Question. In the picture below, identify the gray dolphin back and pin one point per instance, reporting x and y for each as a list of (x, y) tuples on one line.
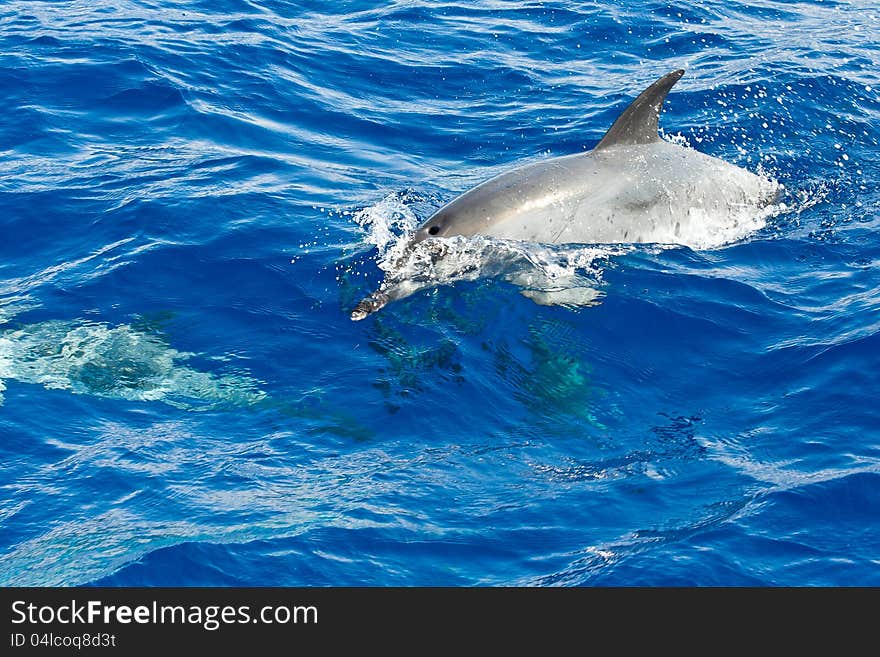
[(638, 123)]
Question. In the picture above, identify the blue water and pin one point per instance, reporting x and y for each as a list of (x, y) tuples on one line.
[(187, 197)]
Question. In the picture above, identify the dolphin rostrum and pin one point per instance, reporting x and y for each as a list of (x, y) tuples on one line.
[(633, 187)]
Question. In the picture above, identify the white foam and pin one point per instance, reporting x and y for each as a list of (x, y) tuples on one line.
[(387, 225)]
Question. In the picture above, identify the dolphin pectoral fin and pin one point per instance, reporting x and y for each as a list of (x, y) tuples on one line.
[(639, 122), (569, 297)]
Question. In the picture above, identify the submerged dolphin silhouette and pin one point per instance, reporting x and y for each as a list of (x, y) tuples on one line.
[(633, 187)]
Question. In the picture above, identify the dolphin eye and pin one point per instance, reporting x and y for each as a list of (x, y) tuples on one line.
[(433, 230)]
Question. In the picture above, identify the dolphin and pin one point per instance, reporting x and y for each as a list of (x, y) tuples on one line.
[(633, 187), (115, 362)]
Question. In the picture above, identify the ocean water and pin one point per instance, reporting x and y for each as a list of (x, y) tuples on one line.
[(195, 195)]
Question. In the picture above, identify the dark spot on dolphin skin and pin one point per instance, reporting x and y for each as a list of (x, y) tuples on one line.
[(433, 230)]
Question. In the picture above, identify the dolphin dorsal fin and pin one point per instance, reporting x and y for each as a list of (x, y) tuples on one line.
[(638, 123)]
